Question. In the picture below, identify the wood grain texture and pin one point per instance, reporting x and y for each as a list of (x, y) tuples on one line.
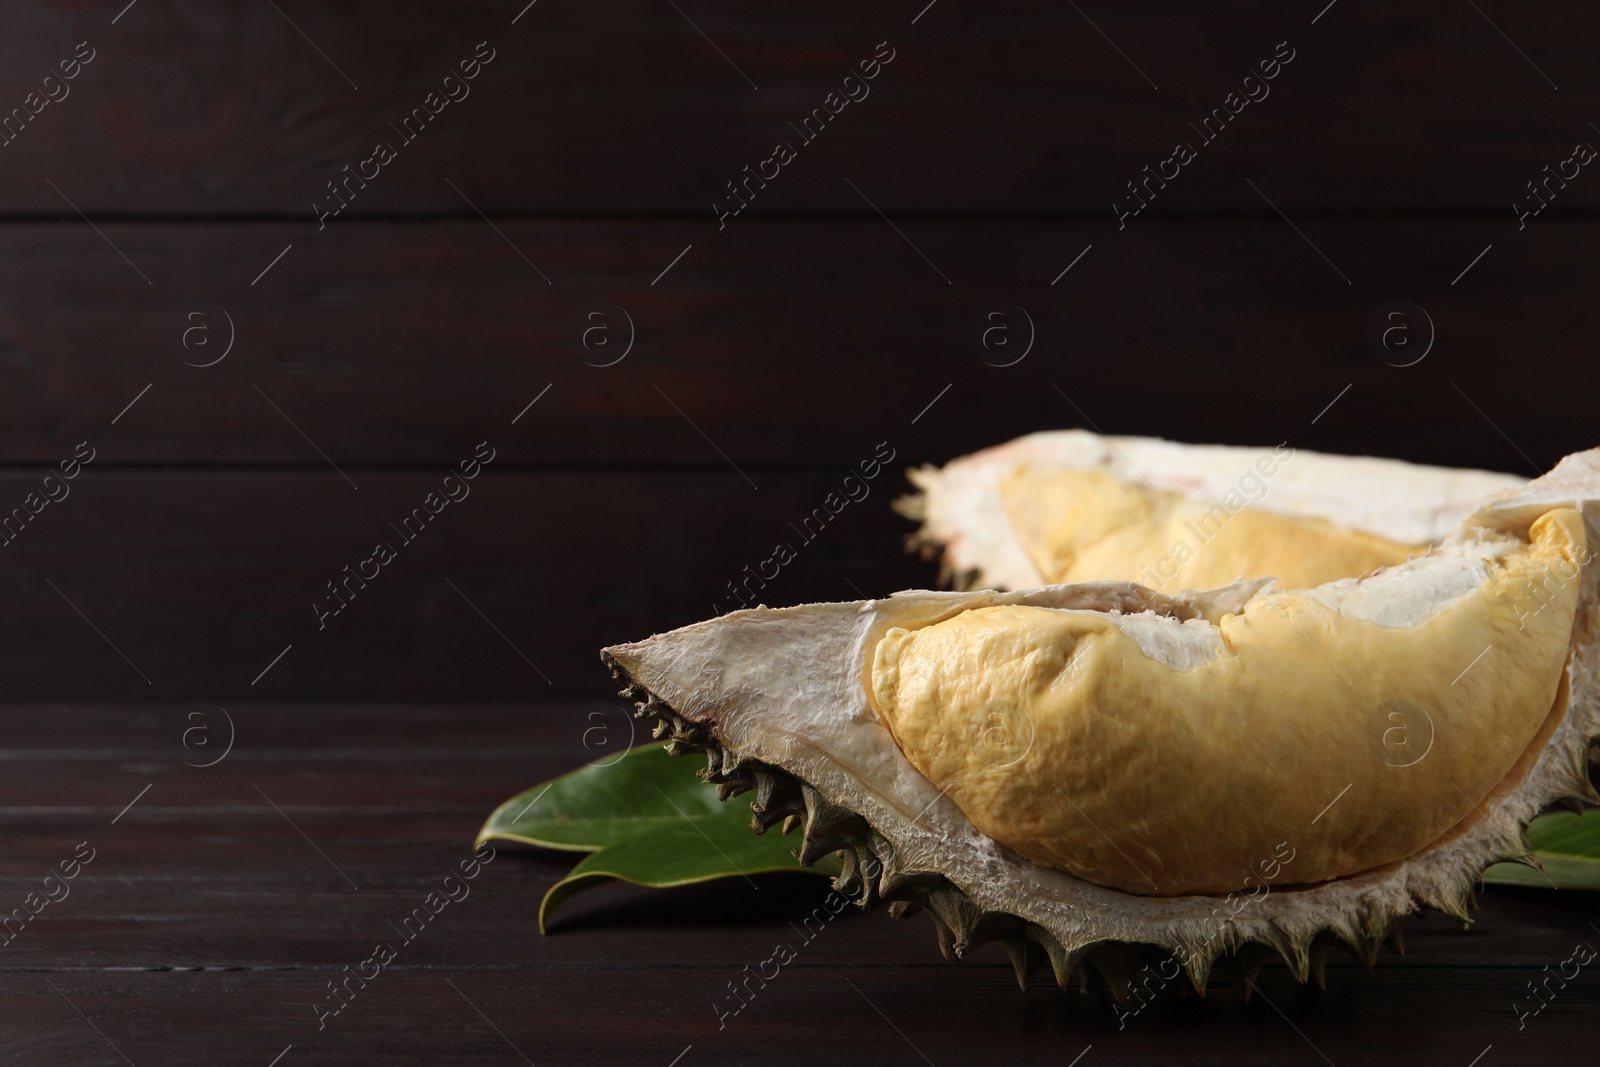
[(784, 343), (944, 1014), (769, 358), (626, 108), (190, 584), (205, 904)]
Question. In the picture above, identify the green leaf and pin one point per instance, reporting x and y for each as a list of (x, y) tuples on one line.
[(605, 802), (690, 851), (1569, 847), (648, 819)]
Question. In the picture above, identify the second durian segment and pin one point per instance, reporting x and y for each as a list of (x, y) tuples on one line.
[(1072, 506), (1088, 525)]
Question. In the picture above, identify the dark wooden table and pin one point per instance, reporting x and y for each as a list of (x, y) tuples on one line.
[(266, 394), (218, 907)]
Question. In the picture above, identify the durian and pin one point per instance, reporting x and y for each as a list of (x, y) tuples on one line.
[(1069, 505), (1102, 774)]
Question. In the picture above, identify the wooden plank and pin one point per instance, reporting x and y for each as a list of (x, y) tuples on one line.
[(192, 107), (390, 797), (170, 586), (786, 343), (188, 878), (951, 1015), (206, 920), (301, 730), (777, 352)]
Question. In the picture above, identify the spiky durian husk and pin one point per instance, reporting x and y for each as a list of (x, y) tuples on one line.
[(1356, 915), (1097, 935)]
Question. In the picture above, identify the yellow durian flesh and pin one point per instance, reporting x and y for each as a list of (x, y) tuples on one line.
[(1080, 525), (1059, 734)]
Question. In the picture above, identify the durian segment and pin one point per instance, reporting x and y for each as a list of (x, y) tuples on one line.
[(1088, 525), (965, 519), (779, 696), (1093, 745)]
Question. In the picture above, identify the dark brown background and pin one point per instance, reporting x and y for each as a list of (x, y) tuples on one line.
[(773, 355)]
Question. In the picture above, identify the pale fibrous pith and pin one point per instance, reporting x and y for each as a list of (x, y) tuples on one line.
[(971, 754)]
